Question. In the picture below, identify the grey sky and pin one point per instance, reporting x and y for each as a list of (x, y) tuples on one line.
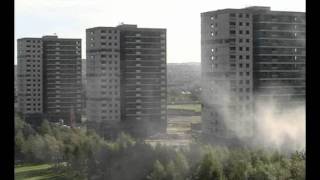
[(181, 18)]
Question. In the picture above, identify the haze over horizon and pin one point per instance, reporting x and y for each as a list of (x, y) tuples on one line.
[(70, 18)]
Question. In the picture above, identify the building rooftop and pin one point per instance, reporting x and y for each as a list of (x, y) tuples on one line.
[(264, 9), (50, 37), (127, 26)]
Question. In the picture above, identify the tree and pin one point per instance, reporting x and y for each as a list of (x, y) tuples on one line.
[(18, 124), (171, 171), (53, 149), (19, 145), (209, 169), (182, 166), (297, 165), (45, 127), (158, 172), (124, 140)]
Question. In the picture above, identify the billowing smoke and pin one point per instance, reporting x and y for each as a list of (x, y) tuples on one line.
[(269, 125), (282, 128)]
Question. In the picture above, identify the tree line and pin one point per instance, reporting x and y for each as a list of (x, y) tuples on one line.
[(81, 154)]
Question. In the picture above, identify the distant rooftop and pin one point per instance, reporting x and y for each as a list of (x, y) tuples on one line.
[(265, 8), (50, 37), (47, 37), (127, 26)]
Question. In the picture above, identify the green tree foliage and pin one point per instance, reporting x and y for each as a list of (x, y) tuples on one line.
[(158, 172), (45, 127), (209, 169), (88, 156), (182, 165)]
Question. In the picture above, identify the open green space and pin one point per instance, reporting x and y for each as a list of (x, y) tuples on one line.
[(192, 107), (181, 124), (36, 172)]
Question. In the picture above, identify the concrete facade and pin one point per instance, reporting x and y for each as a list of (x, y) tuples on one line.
[(49, 75), (126, 78), (30, 77), (243, 53)]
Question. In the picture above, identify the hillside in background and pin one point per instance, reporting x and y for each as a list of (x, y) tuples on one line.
[(183, 76)]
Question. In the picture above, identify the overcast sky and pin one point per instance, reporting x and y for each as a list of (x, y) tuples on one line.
[(181, 18)]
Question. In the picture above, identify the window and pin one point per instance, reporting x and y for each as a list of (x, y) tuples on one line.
[(247, 15), (247, 23), (232, 15), (247, 81), (240, 57), (240, 48), (240, 23), (232, 56), (248, 73), (240, 73), (232, 23), (103, 37), (247, 65), (240, 40), (240, 15), (247, 89), (103, 31), (247, 40), (247, 32), (241, 82), (232, 48), (247, 57), (109, 37), (247, 48), (240, 65), (240, 89), (232, 32), (240, 32)]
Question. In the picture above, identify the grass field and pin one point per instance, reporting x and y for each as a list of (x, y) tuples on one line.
[(181, 124), (193, 107), (35, 172)]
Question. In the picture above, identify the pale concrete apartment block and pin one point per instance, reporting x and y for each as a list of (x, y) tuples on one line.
[(126, 78), (248, 54)]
